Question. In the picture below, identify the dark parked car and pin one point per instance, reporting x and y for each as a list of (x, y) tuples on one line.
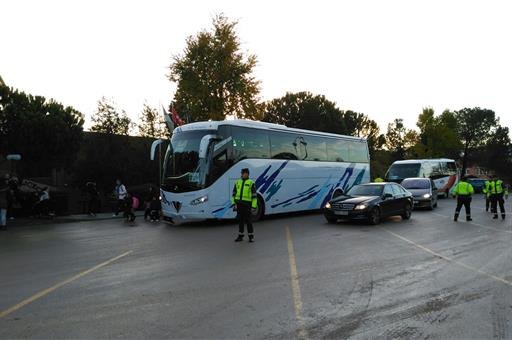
[(478, 184), (371, 202), (423, 190)]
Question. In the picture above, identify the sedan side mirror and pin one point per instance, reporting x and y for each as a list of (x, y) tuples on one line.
[(386, 196)]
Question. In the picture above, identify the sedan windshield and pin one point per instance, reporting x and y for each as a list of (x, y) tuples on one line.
[(416, 184), (366, 190)]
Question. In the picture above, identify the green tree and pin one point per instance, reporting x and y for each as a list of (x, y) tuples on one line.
[(46, 133), (151, 123), (214, 78), (497, 152), (474, 127), (107, 119), (399, 140), (304, 110), (438, 135)]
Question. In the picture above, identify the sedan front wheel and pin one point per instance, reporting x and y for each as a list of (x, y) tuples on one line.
[(374, 217), (407, 212)]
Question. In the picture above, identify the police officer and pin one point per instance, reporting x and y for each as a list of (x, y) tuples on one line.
[(244, 199), (378, 179), (487, 193), (463, 191), (497, 190)]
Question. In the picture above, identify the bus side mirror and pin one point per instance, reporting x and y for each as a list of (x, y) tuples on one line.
[(153, 148), (203, 145)]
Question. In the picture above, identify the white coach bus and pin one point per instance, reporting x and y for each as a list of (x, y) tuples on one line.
[(293, 169), (442, 171)]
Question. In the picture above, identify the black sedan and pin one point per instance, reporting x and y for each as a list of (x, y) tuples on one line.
[(371, 202)]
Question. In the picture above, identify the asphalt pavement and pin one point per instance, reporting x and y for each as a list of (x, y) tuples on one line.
[(428, 277)]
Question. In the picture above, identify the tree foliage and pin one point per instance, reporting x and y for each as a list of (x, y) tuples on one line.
[(151, 123), (474, 126), (438, 135), (399, 140), (214, 78), (46, 133), (304, 110), (107, 119)]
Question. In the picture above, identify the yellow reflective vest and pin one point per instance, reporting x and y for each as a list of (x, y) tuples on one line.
[(495, 187), (378, 180), (463, 189), (245, 190)]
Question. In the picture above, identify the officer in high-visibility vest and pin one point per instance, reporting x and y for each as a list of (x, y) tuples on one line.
[(244, 199), (497, 190), (487, 194), (463, 191), (378, 179)]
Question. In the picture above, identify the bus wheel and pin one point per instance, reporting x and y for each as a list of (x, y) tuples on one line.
[(260, 210)]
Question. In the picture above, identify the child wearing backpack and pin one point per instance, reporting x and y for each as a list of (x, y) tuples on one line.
[(131, 203)]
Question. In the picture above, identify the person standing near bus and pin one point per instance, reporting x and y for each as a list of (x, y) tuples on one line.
[(244, 199), (120, 193), (463, 191), (378, 179), (497, 190), (487, 193), (4, 188)]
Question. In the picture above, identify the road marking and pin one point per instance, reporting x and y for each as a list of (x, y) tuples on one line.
[(479, 225), (58, 285), (449, 259), (297, 298)]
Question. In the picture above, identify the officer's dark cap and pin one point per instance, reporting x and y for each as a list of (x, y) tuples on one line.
[(245, 170)]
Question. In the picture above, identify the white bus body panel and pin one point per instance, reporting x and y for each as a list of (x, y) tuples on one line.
[(284, 185)]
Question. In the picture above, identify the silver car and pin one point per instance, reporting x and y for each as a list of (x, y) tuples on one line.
[(423, 190)]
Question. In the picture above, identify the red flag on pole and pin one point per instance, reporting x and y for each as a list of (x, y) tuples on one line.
[(175, 117)]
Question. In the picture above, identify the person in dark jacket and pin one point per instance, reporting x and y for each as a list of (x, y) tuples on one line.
[(4, 188), (94, 198), (155, 207)]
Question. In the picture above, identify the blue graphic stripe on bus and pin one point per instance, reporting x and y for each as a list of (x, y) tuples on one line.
[(263, 182), (316, 203), (222, 211), (274, 188), (303, 196)]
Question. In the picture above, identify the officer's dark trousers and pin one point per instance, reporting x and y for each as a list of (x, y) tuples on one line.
[(495, 200), (244, 217), (463, 201), (487, 202)]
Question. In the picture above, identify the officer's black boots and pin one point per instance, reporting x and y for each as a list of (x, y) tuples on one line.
[(469, 219), (240, 238), (502, 216), (495, 217), (455, 217), (251, 238)]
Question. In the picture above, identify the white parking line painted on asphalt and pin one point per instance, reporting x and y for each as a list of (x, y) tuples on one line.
[(449, 259), (297, 298), (60, 284), (477, 224)]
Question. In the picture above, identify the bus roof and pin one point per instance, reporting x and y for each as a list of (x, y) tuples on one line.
[(416, 161), (258, 125)]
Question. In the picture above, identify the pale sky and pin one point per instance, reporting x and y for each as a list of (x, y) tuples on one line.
[(384, 58)]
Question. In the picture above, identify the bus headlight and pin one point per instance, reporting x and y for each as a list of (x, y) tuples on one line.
[(426, 196), (361, 206), (199, 200), (328, 205)]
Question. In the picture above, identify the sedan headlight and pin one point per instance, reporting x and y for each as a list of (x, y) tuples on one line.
[(426, 196), (199, 200), (361, 206), (328, 205)]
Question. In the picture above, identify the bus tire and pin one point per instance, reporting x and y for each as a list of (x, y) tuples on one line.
[(260, 211)]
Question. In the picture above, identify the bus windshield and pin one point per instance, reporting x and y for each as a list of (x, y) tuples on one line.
[(182, 166), (401, 171)]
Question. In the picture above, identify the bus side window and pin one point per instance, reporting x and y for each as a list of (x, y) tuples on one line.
[(337, 150), (219, 166), (286, 146)]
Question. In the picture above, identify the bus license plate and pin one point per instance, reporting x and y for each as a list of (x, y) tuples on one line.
[(341, 212)]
